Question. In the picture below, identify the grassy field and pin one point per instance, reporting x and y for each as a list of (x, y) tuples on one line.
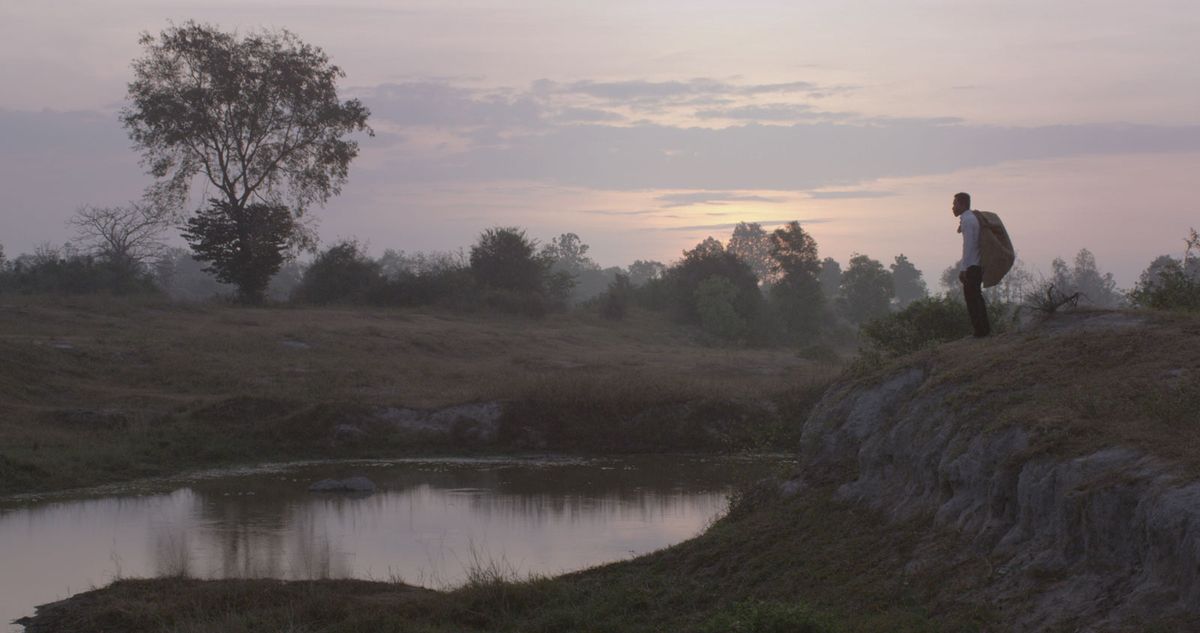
[(1084, 381), (780, 563), (96, 390)]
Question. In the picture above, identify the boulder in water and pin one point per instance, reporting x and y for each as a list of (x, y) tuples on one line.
[(353, 484)]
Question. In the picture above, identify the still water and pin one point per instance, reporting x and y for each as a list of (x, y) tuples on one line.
[(428, 523)]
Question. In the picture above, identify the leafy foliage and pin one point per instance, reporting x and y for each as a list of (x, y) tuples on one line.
[(52, 270), (907, 282), (1084, 278), (866, 290), (259, 118), (614, 303), (753, 245), (1168, 288), (797, 292), (642, 271), (922, 323), (341, 273), (716, 300), (710, 259), (504, 258), (830, 277), (244, 246), (514, 276)]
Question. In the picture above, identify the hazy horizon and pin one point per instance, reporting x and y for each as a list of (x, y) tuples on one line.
[(646, 129)]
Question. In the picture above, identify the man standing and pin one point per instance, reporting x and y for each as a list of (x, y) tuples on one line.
[(970, 271)]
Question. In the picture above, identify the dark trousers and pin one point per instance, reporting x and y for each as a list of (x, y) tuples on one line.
[(973, 293)]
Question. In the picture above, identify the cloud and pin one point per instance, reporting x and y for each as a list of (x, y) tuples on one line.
[(642, 92), (619, 213), (730, 225), (844, 195), (585, 115), (434, 103), (799, 157), (766, 112), (711, 198)]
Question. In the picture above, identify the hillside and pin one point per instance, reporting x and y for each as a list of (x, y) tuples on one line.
[(1043, 480)]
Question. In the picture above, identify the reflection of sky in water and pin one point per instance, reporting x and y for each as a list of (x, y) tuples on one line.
[(427, 524)]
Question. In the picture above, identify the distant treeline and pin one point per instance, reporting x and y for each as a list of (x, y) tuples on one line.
[(758, 287)]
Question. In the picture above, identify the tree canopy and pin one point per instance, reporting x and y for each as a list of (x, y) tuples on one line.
[(908, 282), (866, 291), (257, 116), (752, 244), (797, 268)]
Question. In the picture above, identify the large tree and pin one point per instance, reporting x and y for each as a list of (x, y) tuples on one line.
[(866, 292), (256, 116), (907, 281), (797, 270), (752, 244)]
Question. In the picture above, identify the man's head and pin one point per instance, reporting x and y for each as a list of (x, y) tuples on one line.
[(962, 203)]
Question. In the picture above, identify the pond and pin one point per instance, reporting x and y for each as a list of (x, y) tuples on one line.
[(429, 522)]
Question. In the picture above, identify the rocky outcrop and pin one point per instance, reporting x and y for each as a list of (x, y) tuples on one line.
[(477, 422), (1097, 541), (355, 485)]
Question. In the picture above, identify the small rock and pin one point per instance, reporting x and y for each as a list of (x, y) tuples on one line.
[(353, 484), (295, 344), (791, 487)]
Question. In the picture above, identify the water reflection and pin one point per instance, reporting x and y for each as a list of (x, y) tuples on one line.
[(429, 523)]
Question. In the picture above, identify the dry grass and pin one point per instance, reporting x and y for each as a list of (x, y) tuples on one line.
[(1085, 381), (96, 389)]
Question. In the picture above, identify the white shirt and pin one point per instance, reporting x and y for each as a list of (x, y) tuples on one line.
[(968, 225)]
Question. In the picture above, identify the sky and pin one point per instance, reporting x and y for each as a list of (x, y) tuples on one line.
[(645, 127)]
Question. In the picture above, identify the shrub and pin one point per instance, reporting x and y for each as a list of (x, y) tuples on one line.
[(51, 271), (1170, 289), (614, 303), (341, 273), (707, 260), (505, 258), (716, 300), (924, 322)]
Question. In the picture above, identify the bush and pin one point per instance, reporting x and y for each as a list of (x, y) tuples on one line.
[(716, 299), (505, 258), (341, 274), (1171, 289), (681, 283), (614, 303), (50, 271), (923, 323)]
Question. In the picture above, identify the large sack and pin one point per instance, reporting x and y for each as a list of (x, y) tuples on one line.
[(996, 252)]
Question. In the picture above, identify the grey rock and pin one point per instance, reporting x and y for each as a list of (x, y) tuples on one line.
[(353, 484), (1117, 530), (478, 422)]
